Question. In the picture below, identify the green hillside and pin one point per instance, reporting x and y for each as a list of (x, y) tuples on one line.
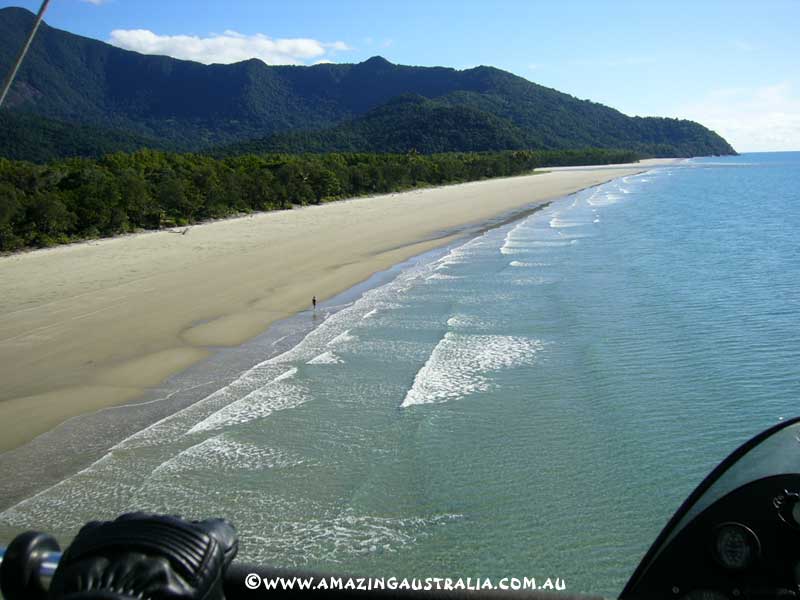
[(412, 122), (191, 106), (25, 136)]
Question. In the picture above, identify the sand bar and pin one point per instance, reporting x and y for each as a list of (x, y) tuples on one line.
[(91, 325)]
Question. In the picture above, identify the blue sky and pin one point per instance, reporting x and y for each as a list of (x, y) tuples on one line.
[(734, 66)]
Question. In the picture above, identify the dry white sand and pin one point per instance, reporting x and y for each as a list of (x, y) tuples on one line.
[(91, 325)]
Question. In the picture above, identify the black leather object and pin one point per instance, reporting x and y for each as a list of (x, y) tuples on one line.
[(146, 556)]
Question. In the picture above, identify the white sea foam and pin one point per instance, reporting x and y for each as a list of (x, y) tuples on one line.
[(462, 321), (333, 539), (550, 243), (458, 255), (511, 247), (274, 396), (267, 387), (511, 237), (381, 306), (518, 243), (343, 338), (606, 199), (557, 223), (452, 259), (72, 501), (326, 358), (174, 426), (287, 375), (572, 236), (220, 453), (533, 280), (462, 364)]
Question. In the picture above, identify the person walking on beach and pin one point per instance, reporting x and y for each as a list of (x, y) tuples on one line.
[(314, 303)]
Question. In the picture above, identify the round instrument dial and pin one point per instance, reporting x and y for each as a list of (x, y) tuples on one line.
[(735, 546)]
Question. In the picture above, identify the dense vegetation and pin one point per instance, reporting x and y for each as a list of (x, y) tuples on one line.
[(430, 126), (31, 137), (405, 123), (273, 136), (191, 106), (78, 198)]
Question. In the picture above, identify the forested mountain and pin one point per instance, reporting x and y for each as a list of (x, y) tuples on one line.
[(25, 136), (412, 122), (191, 106), (408, 122)]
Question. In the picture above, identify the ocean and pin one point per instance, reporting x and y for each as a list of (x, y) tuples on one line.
[(533, 402)]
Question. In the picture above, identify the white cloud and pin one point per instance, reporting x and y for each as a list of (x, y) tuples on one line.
[(385, 43), (228, 47), (752, 119)]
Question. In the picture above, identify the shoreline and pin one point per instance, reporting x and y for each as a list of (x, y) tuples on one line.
[(65, 450), (98, 324)]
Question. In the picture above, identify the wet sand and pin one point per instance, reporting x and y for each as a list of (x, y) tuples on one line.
[(96, 324)]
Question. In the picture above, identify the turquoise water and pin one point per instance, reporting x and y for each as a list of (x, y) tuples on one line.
[(534, 402)]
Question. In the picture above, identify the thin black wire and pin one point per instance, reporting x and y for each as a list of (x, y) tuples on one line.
[(10, 78)]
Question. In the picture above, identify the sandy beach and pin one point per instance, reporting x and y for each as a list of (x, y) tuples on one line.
[(92, 325)]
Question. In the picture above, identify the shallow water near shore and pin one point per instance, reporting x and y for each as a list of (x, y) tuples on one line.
[(532, 403)]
